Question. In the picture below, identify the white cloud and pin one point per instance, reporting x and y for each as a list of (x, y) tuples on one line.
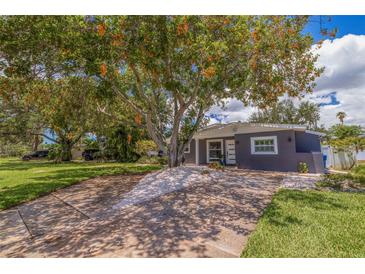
[(344, 62)]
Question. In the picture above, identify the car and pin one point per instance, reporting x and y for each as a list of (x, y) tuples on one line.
[(39, 154), (88, 154)]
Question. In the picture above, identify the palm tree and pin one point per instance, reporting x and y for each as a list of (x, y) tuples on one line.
[(341, 115)]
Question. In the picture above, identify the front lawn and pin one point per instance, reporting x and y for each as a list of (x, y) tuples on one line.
[(23, 181), (310, 224)]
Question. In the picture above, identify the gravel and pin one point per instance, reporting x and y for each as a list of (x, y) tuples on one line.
[(301, 182)]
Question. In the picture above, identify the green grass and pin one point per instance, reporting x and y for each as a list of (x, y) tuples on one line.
[(23, 181), (310, 224)]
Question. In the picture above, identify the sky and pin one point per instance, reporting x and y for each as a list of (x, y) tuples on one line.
[(342, 85)]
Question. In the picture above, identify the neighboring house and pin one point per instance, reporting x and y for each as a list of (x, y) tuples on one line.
[(257, 146)]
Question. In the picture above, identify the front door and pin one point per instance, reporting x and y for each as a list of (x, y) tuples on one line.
[(230, 152)]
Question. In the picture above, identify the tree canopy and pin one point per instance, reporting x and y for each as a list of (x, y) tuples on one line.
[(172, 69), (169, 70), (285, 112)]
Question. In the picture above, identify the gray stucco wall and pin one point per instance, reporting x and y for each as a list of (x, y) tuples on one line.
[(306, 142), (190, 157), (287, 158)]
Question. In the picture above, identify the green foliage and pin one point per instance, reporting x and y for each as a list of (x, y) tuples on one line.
[(346, 139), (285, 112), (91, 143), (13, 150), (144, 146), (117, 145), (172, 69), (54, 152), (336, 181), (344, 131), (169, 69), (303, 167)]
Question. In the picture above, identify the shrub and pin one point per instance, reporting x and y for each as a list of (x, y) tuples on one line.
[(216, 166), (54, 152), (303, 167), (13, 150), (144, 146), (337, 180)]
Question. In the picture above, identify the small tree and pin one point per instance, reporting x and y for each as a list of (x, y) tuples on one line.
[(347, 139)]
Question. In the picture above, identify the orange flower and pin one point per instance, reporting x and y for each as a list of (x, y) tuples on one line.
[(101, 29), (186, 26), (209, 72), (129, 139), (117, 40), (138, 119), (103, 69), (226, 21), (255, 35), (183, 28), (291, 31)]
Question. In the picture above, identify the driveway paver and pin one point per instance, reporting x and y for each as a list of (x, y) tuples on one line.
[(186, 215)]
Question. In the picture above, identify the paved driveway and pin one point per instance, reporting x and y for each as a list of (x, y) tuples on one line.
[(171, 213)]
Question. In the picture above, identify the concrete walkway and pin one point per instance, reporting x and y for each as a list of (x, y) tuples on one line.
[(170, 213)]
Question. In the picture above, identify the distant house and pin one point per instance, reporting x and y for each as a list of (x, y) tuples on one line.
[(257, 146)]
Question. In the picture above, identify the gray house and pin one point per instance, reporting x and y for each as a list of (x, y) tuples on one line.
[(257, 146)]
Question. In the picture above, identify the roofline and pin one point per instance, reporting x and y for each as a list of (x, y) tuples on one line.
[(289, 126)]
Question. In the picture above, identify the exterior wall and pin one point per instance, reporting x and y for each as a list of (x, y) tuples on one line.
[(287, 158), (190, 157), (306, 142)]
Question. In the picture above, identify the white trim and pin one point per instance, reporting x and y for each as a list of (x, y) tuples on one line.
[(211, 141), (197, 151), (188, 147), (253, 139)]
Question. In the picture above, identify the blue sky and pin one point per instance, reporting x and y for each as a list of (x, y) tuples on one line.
[(344, 23), (342, 85)]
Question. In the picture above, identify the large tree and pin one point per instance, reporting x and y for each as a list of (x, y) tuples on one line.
[(286, 112), (169, 69), (41, 82), (172, 69)]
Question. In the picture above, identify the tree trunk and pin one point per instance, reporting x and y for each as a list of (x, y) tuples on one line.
[(36, 142), (66, 154)]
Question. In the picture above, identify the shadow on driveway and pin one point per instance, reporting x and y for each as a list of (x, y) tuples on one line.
[(184, 215)]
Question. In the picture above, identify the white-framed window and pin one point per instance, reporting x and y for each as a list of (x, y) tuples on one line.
[(187, 149), (214, 150), (264, 145)]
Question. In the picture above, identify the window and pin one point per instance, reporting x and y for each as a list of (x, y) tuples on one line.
[(264, 145), (187, 149), (214, 150)]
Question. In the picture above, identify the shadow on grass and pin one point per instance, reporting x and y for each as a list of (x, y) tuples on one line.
[(17, 164), (42, 185)]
